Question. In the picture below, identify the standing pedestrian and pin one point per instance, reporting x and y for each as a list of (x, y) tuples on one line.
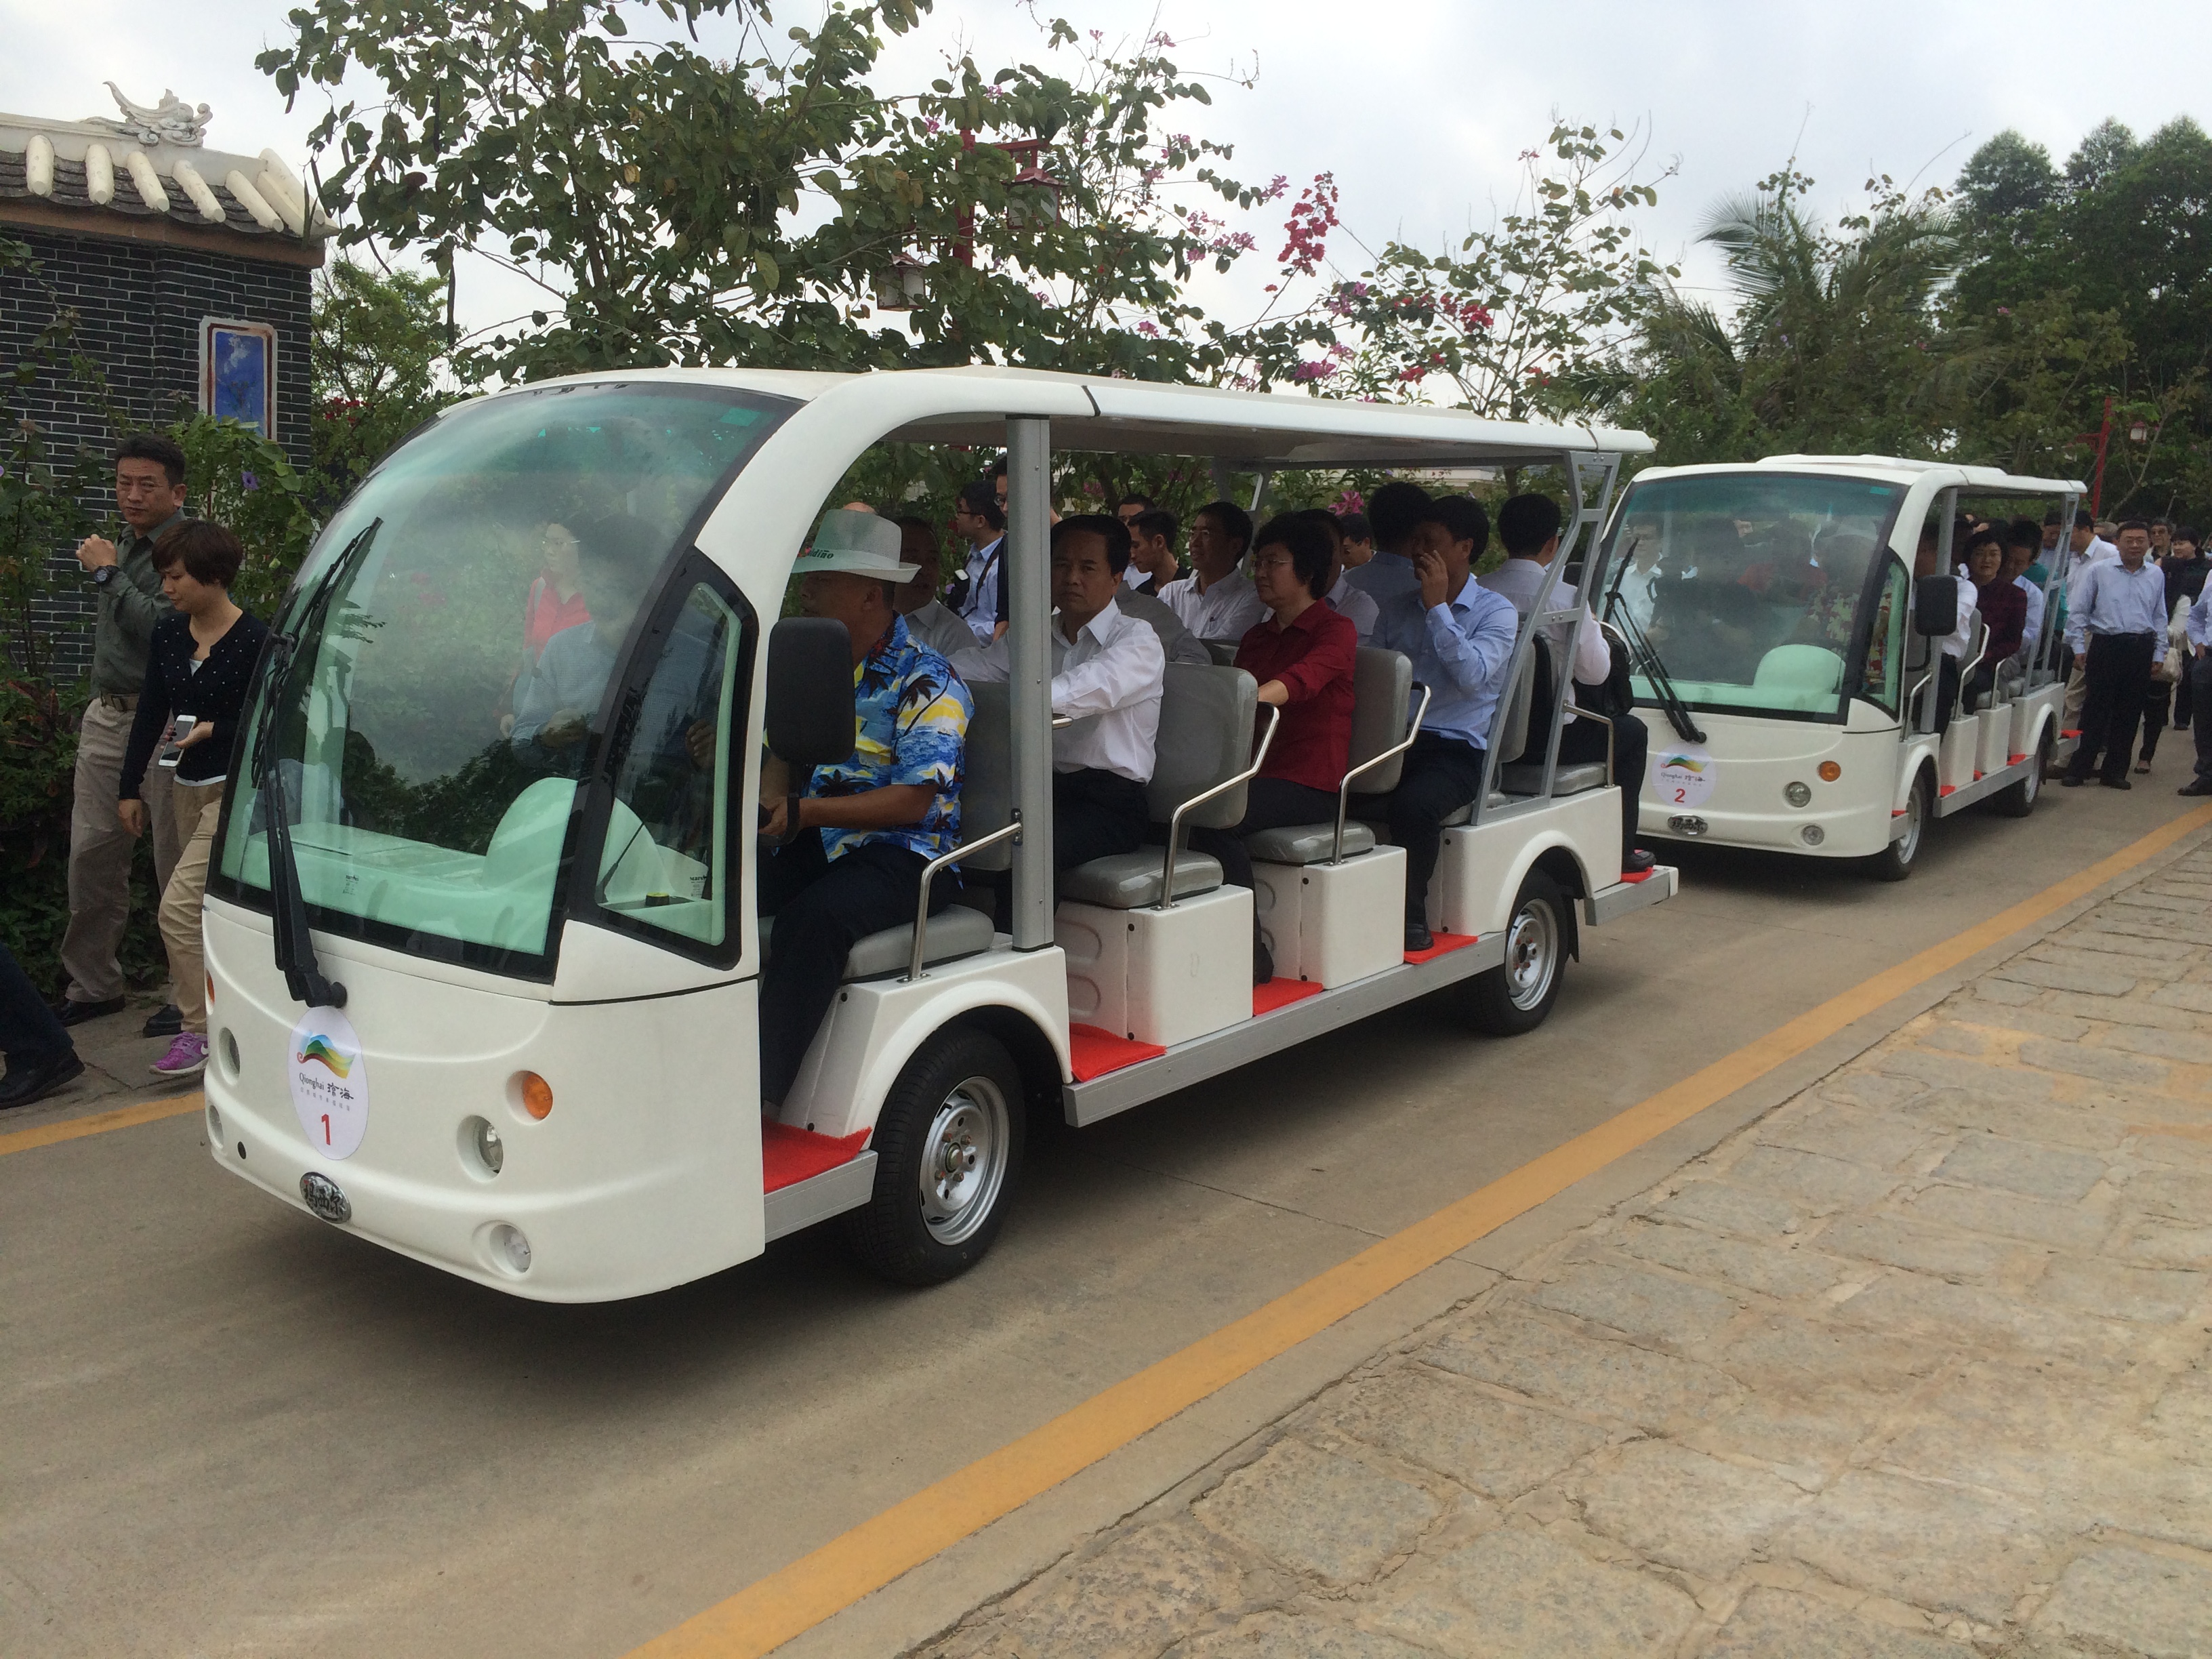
[(2198, 630), (2185, 571), (40, 1056), (200, 663), (2088, 550), (150, 493), (2117, 622)]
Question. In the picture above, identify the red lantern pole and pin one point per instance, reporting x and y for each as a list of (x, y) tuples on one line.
[(2102, 437)]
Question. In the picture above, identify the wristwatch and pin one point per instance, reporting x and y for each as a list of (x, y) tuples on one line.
[(105, 575)]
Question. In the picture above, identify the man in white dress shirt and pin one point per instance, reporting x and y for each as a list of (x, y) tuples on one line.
[(2023, 544), (1153, 562), (1927, 562), (1530, 527), (2116, 619), (1217, 600), (1108, 670), (927, 618), (2090, 550)]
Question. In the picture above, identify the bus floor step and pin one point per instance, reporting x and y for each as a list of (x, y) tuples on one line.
[(790, 1155), (1093, 1053)]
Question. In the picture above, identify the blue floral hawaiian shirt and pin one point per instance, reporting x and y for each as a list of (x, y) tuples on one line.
[(911, 713)]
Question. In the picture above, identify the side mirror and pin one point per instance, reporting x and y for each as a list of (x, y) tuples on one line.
[(1934, 607), (810, 690)]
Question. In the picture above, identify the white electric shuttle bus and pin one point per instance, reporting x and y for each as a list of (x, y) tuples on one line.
[(1788, 664), (499, 1013)]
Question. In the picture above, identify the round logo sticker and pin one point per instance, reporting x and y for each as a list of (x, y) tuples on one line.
[(1681, 776), (330, 1082)]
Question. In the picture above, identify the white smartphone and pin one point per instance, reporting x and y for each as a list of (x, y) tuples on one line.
[(180, 729)]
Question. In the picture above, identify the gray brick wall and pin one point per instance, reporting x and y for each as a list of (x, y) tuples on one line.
[(139, 306)]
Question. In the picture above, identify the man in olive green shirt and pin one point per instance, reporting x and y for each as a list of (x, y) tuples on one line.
[(150, 493)]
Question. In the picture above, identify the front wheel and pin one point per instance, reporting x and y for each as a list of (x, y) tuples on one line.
[(1894, 862), (2017, 800), (1517, 995), (948, 1150)]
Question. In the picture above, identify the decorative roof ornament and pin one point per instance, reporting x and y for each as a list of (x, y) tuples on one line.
[(169, 122)]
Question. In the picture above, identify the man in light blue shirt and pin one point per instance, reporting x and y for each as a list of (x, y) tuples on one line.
[(2199, 629), (2116, 616), (1395, 513), (1460, 638)]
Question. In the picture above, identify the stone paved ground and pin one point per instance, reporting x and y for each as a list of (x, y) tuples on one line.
[(1919, 1363)]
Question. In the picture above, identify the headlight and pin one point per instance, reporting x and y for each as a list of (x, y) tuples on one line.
[(1812, 835), (511, 1248), (481, 1146), (1797, 794)]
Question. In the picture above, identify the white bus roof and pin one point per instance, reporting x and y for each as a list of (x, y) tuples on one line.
[(1892, 469), (1253, 430)]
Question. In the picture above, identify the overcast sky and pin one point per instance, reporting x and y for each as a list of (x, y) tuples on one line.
[(1419, 107)]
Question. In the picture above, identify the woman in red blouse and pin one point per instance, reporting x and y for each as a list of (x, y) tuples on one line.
[(556, 598), (1302, 656)]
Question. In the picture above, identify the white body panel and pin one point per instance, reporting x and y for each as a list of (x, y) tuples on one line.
[(1163, 977), (1330, 924), (1480, 872)]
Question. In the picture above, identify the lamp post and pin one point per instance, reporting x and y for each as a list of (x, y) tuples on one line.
[(2102, 437)]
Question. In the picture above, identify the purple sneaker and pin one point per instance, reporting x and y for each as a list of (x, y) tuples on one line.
[(188, 1057)]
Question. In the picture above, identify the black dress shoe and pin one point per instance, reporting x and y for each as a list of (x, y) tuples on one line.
[(1417, 937), (2196, 787), (1637, 861), (167, 1020), (2069, 781), (2117, 783), (75, 1013), (1263, 962), (27, 1083)]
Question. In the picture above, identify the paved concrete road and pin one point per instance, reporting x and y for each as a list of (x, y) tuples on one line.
[(231, 1430), (1918, 1365)]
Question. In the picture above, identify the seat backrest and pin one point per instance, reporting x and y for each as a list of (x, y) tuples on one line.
[(1519, 702), (1206, 738), (1381, 701), (987, 779), (1224, 652), (1800, 667)]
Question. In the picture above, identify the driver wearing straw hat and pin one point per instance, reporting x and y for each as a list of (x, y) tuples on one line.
[(849, 842)]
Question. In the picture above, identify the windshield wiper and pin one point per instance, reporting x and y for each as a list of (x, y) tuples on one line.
[(1647, 655), (294, 941)]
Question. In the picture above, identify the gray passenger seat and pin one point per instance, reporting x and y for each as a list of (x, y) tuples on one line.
[(1382, 693)]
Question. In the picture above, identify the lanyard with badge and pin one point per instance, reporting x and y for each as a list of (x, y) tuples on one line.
[(974, 577)]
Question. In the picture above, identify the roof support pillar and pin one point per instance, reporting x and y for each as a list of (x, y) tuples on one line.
[(1028, 574)]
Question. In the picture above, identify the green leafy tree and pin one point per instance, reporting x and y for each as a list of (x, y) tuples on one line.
[(379, 348)]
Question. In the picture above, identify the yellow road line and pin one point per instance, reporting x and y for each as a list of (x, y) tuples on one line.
[(122, 1117), (769, 1612)]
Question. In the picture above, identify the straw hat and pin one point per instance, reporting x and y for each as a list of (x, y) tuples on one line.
[(861, 544)]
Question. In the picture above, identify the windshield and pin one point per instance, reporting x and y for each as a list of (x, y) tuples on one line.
[(1752, 590), (443, 711)]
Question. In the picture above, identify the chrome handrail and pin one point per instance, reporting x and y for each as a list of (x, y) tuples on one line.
[(929, 874), (1344, 788), (1175, 822), (1606, 721)]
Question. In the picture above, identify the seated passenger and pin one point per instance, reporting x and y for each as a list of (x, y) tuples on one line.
[(2002, 605), (1709, 624), (1216, 600), (1530, 527), (556, 600), (1178, 641), (1393, 513), (849, 846), (1926, 558), (1108, 670), (1303, 658), (1152, 561), (555, 700), (2023, 549), (1459, 636), (929, 620), (1345, 599)]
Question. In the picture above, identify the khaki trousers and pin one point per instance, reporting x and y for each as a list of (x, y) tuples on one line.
[(199, 806), (99, 853), (2077, 690)]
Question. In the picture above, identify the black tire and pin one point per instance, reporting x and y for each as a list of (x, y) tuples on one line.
[(1895, 861), (959, 1100), (2017, 800), (1518, 996)]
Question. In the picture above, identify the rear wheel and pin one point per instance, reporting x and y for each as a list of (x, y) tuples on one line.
[(948, 1151), (2017, 800), (1517, 995), (1894, 862)]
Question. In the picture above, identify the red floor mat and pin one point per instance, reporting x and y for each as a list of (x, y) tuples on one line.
[(1440, 943), (1093, 1053), (789, 1156), (1280, 992)]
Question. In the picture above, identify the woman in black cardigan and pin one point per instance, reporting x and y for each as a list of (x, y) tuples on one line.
[(200, 663)]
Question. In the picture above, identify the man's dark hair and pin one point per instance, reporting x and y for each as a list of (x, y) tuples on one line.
[(1309, 545), (207, 552), (915, 521), (1104, 524), (1158, 521), (2155, 523), (2084, 518), (2126, 525), (1233, 520), (1355, 526), (1000, 469), (2050, 516), (1395, 510), (1526, 523), (155, 447), (1135, 499), (982, 500), (2024, 532), (1462, 517)]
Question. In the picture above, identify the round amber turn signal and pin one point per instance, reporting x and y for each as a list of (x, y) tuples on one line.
[(1830, 771), (536, 1095)]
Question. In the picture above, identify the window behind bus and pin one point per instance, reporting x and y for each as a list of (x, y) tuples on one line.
[(1756, 590), (442, 718)]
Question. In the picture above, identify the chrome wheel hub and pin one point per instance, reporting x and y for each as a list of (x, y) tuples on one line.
[(964, 1161), (1532, 954)]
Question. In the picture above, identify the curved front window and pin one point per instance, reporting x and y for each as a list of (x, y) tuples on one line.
[(1753, 590), (461, 623)]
